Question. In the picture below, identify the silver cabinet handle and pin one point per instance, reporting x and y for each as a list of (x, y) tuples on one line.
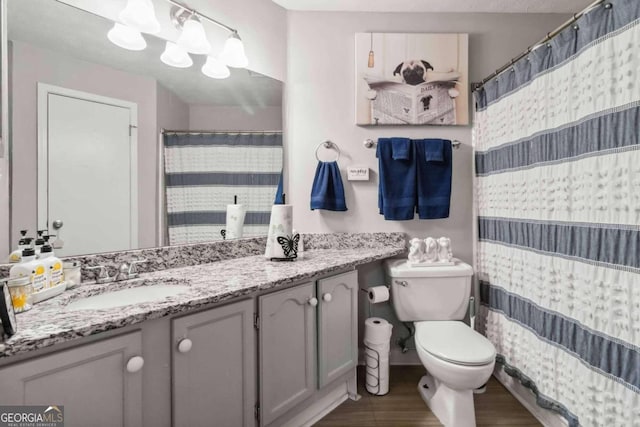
[(327, 297), (313, 301)]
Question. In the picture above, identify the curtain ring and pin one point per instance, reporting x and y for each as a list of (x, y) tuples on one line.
[(327, 145)]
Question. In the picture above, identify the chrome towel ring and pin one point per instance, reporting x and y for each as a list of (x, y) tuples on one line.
[(329, 145)]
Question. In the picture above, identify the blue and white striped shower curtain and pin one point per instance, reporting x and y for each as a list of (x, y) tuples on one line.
[(203, 173), (558, 199)]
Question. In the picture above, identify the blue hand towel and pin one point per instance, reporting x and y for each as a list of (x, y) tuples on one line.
[(279, 192), (397, 187), (400, 148), (434, 150), (327, 191), (434, 178)]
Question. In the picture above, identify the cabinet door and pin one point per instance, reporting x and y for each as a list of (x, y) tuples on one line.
[(91, 381), (287, 349), (337, 326), (214, 381)]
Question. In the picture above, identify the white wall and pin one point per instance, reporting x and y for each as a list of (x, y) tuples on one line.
[(320, 104), (209, 117), (31, 65)]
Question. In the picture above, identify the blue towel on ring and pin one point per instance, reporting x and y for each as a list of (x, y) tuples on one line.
[(279, 191), (397, 186), (434, 178), (327, 191)]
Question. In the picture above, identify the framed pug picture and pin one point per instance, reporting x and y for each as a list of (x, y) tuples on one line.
[(412, 79)]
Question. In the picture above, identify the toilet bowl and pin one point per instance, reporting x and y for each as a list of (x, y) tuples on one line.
[(458, 360)]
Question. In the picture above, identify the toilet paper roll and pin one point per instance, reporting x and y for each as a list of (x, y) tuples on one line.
[(280, 224), (378, 294), (377, 330), (235, 221)]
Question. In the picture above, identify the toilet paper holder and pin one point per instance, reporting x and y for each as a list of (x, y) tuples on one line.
[(367, 357)]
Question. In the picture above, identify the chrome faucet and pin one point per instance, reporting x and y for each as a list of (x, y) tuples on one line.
[(126, 272), (123, 273)]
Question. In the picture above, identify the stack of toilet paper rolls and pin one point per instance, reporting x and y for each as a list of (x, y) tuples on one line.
[(377, 341)]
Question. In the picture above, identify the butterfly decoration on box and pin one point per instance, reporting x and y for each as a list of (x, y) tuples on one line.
[(289, 246)]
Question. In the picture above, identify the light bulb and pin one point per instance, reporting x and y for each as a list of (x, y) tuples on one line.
[(233, 52), (371, 61), (126, 37), (193, 39), (216, 69), (176, 56), (140, 14)]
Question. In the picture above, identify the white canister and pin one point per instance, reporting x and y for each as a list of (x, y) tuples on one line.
[(280, 225)]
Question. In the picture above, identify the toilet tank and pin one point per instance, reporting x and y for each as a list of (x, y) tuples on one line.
[(429, 293)]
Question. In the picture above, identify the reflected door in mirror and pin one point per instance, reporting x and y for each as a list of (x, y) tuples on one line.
[(91, 169)]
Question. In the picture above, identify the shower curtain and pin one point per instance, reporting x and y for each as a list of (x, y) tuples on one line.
[(558, 203), (203, 173)]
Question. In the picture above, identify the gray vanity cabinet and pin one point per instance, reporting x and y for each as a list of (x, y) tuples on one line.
[(308, 338), (98, 383), (214, 378), (337, 326), (287, 349)]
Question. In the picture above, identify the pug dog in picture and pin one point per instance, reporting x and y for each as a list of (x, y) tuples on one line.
[(413, 72)]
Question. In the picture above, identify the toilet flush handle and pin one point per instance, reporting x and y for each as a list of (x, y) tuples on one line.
[(402, 283)]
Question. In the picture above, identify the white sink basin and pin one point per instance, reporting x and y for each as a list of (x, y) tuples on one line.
[(140, 294)]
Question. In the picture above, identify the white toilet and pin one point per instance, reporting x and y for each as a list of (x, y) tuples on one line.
[(457, 358)]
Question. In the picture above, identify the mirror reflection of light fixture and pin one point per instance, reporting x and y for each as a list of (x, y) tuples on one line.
[(141, 15), (193, 39), (215, 68), (371, 61), (126, 37), (233, 52), (175, 56)]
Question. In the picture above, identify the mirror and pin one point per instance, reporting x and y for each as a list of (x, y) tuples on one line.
[(88, 147)]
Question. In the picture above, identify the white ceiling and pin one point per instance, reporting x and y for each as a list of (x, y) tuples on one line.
[(76, 33), (497, 6)]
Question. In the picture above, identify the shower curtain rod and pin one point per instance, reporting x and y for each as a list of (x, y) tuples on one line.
[(186, 132), (548, 37)]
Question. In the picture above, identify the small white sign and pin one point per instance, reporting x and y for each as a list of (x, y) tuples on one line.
[(358, 173)]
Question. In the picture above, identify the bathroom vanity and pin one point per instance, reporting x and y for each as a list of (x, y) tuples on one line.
[(248, 343)]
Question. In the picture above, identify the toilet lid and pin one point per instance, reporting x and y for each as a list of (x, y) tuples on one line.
[(454, 342)]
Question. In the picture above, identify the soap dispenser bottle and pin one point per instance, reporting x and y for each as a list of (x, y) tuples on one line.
[(32, 268), (52, 265), (23, 243), (39, 242)]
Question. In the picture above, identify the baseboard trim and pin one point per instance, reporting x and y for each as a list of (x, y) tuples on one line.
[(321, 407), (528, 400)]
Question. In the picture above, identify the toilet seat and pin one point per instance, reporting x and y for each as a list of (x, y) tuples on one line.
[(454, 342)]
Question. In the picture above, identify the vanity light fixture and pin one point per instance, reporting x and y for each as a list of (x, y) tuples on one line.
[(126, 37), (176, 56), (193, 39), (141, 15), (233, 52), (215, 68)]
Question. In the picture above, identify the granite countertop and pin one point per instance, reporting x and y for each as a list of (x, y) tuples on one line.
[(50, 322)]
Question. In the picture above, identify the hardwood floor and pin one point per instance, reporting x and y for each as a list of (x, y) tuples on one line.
[(403, 406)]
